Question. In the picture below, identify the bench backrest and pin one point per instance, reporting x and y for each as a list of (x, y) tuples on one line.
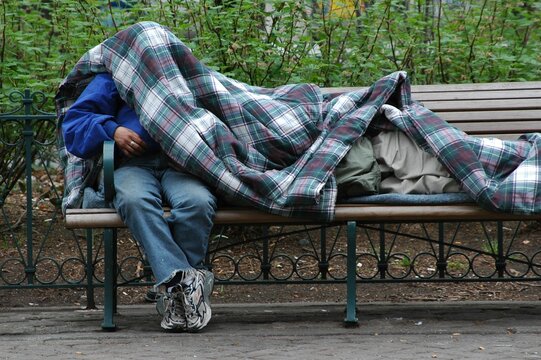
[(503, 110)]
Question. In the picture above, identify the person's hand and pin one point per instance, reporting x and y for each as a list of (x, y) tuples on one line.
[(129, 142)]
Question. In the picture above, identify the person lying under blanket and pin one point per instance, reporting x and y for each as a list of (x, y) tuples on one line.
[(391, 162)]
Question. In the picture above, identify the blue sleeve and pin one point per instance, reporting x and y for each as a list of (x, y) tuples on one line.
[(91, 119)]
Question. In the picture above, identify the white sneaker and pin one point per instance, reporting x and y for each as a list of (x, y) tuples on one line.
[(196, 296), (171, 306)]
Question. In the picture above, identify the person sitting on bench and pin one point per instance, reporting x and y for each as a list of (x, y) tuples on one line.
[(145, 180)]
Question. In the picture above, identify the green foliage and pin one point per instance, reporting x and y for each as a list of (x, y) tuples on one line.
[(274, 42)]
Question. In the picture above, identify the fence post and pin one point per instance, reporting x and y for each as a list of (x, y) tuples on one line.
[(28, 134)]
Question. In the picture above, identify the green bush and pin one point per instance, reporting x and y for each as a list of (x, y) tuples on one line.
[(283, 41)]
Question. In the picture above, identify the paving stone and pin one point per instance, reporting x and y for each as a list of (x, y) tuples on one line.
[(449, 330)]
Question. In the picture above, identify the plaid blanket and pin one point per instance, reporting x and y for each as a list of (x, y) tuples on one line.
[(276, 148)]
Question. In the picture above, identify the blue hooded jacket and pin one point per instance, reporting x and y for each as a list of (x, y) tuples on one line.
[(94, 117)]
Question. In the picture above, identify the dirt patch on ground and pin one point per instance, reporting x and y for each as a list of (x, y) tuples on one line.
[(332, 293)]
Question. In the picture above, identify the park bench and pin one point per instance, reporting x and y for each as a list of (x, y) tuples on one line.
[(503, 110)]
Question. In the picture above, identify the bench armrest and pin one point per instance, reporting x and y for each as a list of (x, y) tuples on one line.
[(108, 170)]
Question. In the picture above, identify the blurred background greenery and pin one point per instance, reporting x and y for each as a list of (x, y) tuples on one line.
[(272, 42)]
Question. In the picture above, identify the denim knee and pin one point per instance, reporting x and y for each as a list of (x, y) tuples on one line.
[(136, 200), (201, 202), (136, 188)]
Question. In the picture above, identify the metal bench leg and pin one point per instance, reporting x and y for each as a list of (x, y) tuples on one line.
[(90, 300), (109, 299), (351, 307)]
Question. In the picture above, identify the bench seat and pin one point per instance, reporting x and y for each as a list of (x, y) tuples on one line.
[(365, 213)]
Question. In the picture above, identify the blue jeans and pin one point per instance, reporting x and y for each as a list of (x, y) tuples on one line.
[(176, 243)]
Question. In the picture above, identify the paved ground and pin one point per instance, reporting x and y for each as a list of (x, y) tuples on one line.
[(448, 330)]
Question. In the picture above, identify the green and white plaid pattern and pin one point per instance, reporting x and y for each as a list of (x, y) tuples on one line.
[(272, 148)]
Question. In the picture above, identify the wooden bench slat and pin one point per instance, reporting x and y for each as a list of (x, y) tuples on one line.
[(495, 127), (108, 218), (487, 105), (474, 87), (418, 90), (510, 116), (479, 95)]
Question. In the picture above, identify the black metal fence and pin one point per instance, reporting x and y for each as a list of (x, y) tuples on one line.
[(36, 251)]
